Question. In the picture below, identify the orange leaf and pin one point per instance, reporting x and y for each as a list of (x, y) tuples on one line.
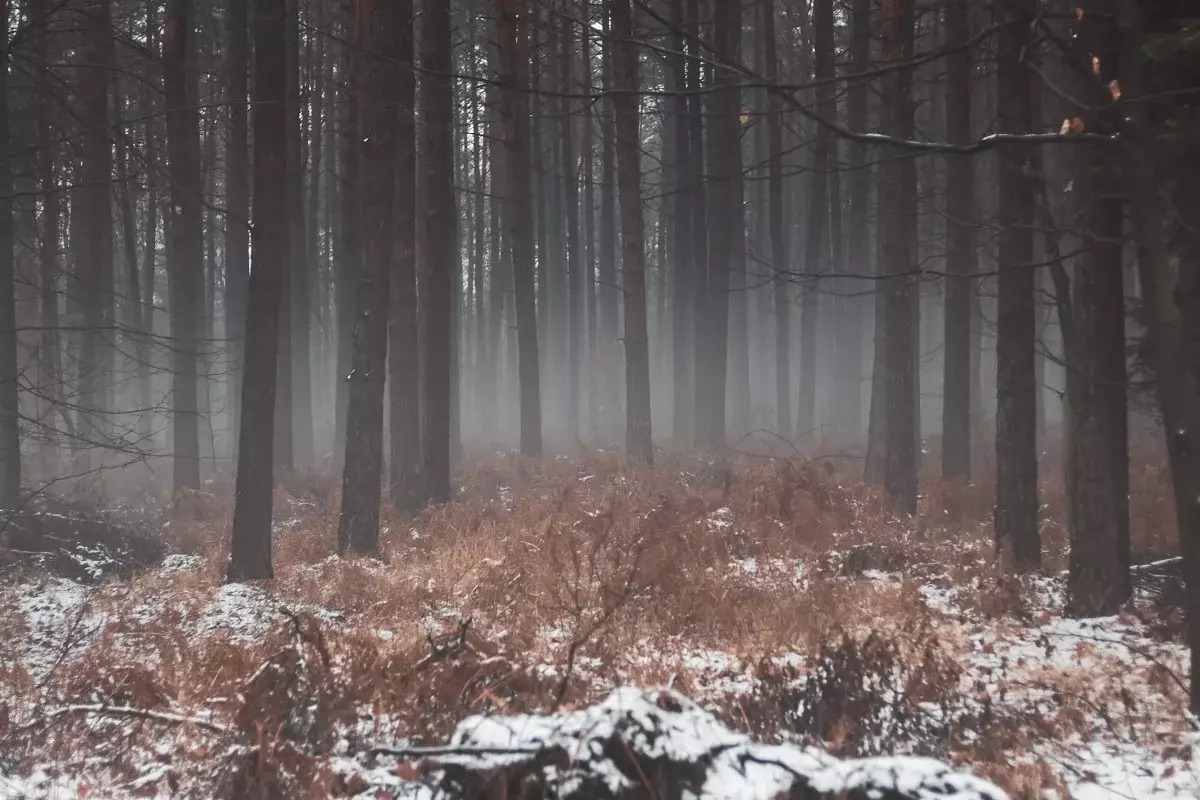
[(1095, 65), (1114, 89), (406, 771), (1079, 13)]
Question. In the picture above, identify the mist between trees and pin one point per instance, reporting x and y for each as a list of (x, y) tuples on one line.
[(380, 237)]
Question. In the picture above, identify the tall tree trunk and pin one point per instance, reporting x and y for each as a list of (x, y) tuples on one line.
[(441, 249), (94, 266), (312, 216), (404, 390), (150, 229), (297, 448), (574, 256), (237, 204), (1097, 430), (49, 353), (350, 245), (682, 293), (514, 53), (1016, 415), (250, 550), (898, 196), (960, 256), (186, 236), (1172, 292), (816, 245), (780, 258), (376, 78), (701, 365), (724, 167), (606, 270), (639, 448), (10, 431)]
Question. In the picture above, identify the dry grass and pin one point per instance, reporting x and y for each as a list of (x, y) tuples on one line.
[(575, 565)]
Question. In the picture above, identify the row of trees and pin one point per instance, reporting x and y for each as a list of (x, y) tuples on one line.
[(494, 221)]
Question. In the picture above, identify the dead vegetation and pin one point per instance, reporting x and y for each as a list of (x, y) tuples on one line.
[(780, 593)]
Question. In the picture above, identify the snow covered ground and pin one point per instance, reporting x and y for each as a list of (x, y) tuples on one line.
[(1087, 709)]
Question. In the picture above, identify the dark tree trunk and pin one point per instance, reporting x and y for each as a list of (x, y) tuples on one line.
[(724, 168), (960, 256), (376, 72), (297, 449), (682, 353), (1097, 431), (49, 353), (237, 205), (606, 270), (574, 256), (350, 244), (150, 230), (780, 258), (1172, 292), (94, 266), (251, 540), (639, 448), (404, 390), (186, 237), (898, 196), (10, 432), (816, 245), (514, 54), (441, 249), (701, 366), (1017, 532)]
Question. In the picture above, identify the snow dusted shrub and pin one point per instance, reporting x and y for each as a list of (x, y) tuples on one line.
[(860, 694), (290, 709)]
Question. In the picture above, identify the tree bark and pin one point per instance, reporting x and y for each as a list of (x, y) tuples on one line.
[(404, 367), (639, 448), (10, 432), (350, 244), (816, 245), (574, 256), (960, 256), (1016, 520), (441, 232), (724, 168), (250, 550), (186, 236), (376, 72), (514, 54), (237, 205), (682, 259), (898, 199), (94, 266)]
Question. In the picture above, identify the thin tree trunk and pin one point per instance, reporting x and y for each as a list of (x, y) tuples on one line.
[(682, 293), (350, 245), (514, 53), (441, 249), (94, 266), (250, 550), (724, 168), (816, 245), (297, 448), (574, 256), (639, 448), (10, 432), (404, 391), (960, 256), (377, 69), (606, 271), (898, 195), (1017, 532), (186, 233)]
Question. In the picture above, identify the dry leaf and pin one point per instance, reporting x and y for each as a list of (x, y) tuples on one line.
[(1066, 127), (1077, 125), (407, 771), (1114, 89), (1095, 65)]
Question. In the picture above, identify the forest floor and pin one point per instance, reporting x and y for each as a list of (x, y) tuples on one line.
[(781, 596)]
